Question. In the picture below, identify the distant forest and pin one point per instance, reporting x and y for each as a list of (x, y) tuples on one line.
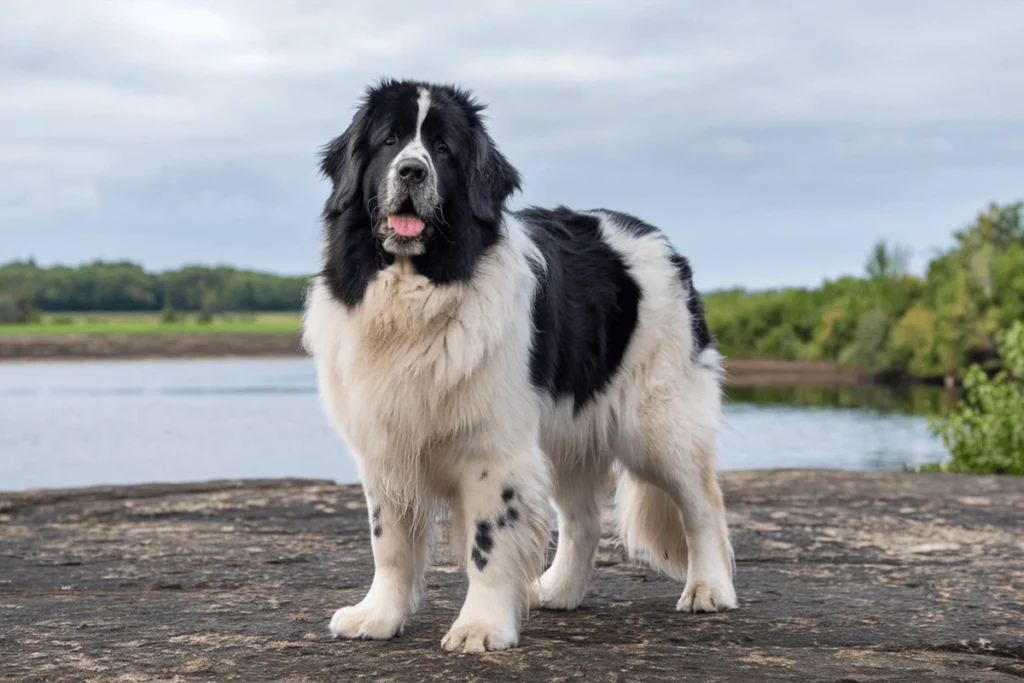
[(884, 321), (888, 320), (123, 286)]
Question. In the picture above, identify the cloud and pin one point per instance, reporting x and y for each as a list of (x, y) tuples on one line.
[(735, 147), (939, 144), (112, 96)]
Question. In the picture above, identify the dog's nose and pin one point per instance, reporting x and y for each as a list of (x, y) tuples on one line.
[(412, 170)]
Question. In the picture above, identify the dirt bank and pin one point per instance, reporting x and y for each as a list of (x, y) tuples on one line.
[(115, 346), (767, 373), (842, 576)]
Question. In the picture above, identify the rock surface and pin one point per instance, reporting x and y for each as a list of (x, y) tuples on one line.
[(841, 577)]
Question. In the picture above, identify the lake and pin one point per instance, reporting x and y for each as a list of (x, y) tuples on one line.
[(120, 422)]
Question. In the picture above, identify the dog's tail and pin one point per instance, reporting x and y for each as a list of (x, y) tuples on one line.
[(651, 526)]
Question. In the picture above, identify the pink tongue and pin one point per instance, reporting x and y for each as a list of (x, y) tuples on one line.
[(406, 226)]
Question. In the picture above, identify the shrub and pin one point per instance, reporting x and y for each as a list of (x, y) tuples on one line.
[(168, 315), (781, 342), (208, 308), (9, 311), (17, 311), (986, 433)]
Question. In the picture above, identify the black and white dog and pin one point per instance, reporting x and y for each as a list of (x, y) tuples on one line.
[(492, 360)]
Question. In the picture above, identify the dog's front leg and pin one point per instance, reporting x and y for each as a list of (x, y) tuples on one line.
[(502, 506), (399, 541)]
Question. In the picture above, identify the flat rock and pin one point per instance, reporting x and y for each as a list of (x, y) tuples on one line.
[(842, 576)]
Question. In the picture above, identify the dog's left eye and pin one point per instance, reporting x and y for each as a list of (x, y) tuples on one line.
[(390, 140), (441, 147)]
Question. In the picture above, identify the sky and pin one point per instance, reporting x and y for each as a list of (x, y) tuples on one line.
[(775, 142)]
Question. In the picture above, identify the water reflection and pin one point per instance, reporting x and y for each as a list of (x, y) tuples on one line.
[(915, 400), (81, 424)]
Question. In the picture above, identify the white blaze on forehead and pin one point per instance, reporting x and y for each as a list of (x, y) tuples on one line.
[(416, 148), (423, 105)]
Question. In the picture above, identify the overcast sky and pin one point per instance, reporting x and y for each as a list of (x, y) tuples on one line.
[(775, 141)]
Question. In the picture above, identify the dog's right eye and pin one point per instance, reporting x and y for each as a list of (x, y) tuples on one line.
[(390, 140)]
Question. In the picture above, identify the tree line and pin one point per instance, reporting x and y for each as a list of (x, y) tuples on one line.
[(884, 321), (123, 286), (889, 321)]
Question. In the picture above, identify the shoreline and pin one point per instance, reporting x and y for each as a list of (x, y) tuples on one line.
[(208, 345), (223, 346)]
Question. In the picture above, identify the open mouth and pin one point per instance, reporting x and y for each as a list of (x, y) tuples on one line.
[(405, 222)]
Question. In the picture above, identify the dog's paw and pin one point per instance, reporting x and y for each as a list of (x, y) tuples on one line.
[(705, 596), (368, 620), (556, 592), (474, 637)]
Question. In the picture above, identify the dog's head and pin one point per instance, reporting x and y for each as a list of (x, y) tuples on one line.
[(417, 170)]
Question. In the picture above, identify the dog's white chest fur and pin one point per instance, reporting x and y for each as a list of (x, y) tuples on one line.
[(416, 371)]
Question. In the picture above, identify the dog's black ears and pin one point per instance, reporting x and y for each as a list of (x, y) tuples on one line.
[(333, 156), (342, 161), (492, 179)]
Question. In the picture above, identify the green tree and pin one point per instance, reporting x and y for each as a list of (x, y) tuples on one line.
[(123, 286), (835, 331), (868, 350), (912, 346), (17, 310), (887, 263)]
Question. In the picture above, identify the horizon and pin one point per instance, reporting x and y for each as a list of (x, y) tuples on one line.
[(920, 272), (774, 146), (247, 269)]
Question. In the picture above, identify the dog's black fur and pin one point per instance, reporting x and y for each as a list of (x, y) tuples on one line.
[(585, 309), (586, 306)]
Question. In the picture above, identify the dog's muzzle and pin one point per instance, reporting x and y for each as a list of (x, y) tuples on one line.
[(408, 199)]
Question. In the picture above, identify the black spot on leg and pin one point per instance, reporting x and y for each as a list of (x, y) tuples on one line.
[(375, 518), (666, 554), (483, 475), (484, 539), (479, 560)]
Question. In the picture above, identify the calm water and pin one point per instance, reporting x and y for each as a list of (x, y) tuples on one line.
[(86, 423)]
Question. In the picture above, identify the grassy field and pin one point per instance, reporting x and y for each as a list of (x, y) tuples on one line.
[(58, 324)]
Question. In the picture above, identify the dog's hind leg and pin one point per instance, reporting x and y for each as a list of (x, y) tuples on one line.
[(399, 539), (578, 494), (678, 423), (503, 502), (651, 526)]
